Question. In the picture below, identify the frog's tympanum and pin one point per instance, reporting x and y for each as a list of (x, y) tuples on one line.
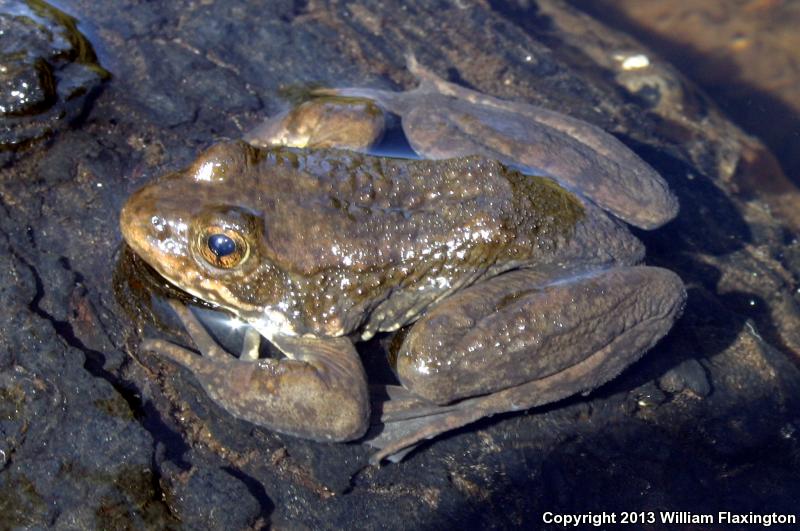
[(496, 246)]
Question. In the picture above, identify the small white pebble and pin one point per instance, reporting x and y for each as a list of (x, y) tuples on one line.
[(635, 62)]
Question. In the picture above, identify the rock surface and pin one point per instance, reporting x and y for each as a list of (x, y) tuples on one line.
[(48, 69), (94, 434)]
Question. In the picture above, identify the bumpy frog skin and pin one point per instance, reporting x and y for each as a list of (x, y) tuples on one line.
[(520, 291)]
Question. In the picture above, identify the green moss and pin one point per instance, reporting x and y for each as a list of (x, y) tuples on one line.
[(299, 93), (136, 499), (370, 108)]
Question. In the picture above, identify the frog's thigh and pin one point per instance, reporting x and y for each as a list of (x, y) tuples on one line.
[(507, 331)]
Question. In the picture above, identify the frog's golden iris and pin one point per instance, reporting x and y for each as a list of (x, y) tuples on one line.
[(221, 247)]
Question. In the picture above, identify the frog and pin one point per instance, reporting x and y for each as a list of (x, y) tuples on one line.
[(501, 254)]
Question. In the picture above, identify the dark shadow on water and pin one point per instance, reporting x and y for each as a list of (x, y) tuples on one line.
[(256, 489), (633, 465), (394, 142), (761, 113), (708, 222)]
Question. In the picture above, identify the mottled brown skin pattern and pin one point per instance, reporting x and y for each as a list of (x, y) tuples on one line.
[(325, 400), (562, 322), (340, 237), (521, 292)]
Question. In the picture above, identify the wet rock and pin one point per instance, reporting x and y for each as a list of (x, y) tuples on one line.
[(70, 437), (199, 496), (47, 70), (649, 396), (687, 375)]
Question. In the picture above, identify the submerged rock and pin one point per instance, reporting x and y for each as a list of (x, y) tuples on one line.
[(47, 68)]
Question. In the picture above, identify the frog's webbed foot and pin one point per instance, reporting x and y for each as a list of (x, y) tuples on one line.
[(406, 425), (401, 103), (498, 347), (402, 420), (319, 392)]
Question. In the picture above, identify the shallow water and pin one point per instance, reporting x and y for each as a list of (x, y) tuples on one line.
[(744, 55)]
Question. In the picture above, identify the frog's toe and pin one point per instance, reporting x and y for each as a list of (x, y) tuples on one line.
[(402, 426), (395, 440), (180, 355), (205, 343)]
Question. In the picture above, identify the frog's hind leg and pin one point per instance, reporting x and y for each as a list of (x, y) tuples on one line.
[(505, 345), (401, 103), (401, 420), (428, 82)]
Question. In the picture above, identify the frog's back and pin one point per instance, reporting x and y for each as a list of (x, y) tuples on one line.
[(337, 209), (374, 240)]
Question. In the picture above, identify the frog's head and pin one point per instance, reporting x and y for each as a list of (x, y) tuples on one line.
[(200, 229)]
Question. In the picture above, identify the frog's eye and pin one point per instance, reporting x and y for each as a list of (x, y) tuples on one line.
[(223, 248), (221, 245)]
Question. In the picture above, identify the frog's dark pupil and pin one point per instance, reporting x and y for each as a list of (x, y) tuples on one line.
[(221, 245)]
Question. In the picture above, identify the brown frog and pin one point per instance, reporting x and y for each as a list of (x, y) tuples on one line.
[(520, 288)]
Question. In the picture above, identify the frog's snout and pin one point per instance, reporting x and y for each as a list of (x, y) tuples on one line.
[(143, 229), (131, 215)]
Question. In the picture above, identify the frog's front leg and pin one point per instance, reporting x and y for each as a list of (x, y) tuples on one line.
[(319, 392), (510, 345)]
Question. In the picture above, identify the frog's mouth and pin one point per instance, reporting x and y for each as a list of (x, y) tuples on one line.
[(268, 321)]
